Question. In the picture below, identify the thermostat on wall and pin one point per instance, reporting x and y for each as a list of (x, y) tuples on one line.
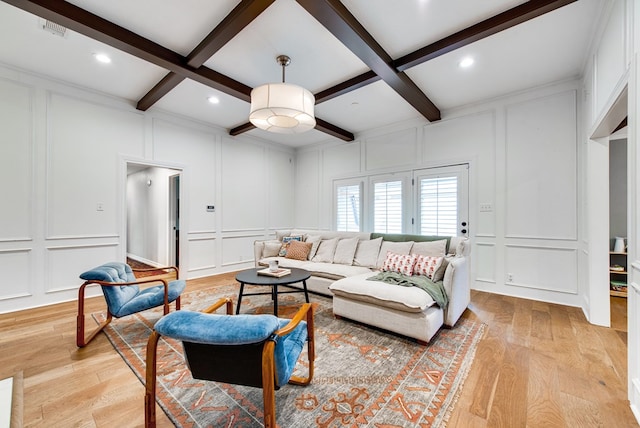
[(210, 208)]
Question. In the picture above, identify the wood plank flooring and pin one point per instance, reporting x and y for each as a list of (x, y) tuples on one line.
[(538, 365)]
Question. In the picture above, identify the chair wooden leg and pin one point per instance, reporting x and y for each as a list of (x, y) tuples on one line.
[(150, 383), (81, 341), (268, 385)]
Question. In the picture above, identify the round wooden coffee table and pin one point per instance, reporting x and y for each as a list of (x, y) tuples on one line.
[(251, 277)]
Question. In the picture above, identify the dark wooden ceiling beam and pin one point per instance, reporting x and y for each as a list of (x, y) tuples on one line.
[(347, 86), (493, 25), (321, 125), (346, 28), (245, 12), (97, 28), (488, 27)]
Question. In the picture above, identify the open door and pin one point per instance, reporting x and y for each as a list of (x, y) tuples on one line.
[(174, 220)]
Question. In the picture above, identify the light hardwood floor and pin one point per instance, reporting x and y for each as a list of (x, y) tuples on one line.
[(538, 365)]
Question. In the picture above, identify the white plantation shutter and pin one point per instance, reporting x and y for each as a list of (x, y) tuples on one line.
[(439, 206), (348, 208), (387, 207)]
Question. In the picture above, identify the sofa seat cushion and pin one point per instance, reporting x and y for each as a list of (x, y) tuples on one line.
[(334, 270), (407, 299), (324, 270)]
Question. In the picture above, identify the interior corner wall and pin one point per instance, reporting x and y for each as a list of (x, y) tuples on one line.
[(523, 157), (64, 154)]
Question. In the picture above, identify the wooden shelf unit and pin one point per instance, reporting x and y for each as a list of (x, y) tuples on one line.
[(619, 276)]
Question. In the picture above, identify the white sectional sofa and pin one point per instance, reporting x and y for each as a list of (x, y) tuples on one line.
[(341, 263)]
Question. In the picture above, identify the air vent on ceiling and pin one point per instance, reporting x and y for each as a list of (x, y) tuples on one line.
[(53, 28)]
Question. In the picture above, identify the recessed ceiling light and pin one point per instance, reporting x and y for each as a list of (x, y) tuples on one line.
[(102, 58), (466, 62), (213, 100)]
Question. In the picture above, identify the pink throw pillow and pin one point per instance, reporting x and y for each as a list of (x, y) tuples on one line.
[(427, 265), (401, 263)]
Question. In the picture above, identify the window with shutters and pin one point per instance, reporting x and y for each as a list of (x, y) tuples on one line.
[(439, 206), (348, 208), (387, 206)]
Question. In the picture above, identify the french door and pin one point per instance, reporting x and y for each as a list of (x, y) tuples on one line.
[(441, 201)]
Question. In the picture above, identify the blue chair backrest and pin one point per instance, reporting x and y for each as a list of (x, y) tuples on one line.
[(209, 341), (114, 272)]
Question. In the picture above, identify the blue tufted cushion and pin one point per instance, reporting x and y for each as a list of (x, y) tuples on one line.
[(287, 351), (128, 299), (216, 329), (150, 298), (115, 296)]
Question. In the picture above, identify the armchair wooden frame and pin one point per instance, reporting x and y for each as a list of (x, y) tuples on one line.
[(81, 340), (268, 363)]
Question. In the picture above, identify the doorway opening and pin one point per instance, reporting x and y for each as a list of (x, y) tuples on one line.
[(153, 214), (618, 207)]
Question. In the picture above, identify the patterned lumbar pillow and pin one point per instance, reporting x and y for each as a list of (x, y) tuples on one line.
[(401, 263), (285, 244), (298, 250), (428, 266)]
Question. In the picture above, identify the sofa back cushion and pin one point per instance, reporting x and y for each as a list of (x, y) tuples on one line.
[(394, 247), (326, 250), (367, 253), (430, 248), (345, 251), (400, 237)]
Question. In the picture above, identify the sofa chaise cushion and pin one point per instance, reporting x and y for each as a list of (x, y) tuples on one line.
[(406, 299)]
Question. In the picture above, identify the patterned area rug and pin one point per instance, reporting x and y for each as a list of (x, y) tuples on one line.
[(364, 377)]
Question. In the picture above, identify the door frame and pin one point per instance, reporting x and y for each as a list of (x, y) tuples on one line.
[(181, 170)]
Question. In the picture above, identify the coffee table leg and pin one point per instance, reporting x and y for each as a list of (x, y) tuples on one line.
[(306, 295), (240, 298), (275, 299)]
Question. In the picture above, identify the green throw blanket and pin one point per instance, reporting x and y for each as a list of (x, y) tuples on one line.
[(434, 289)]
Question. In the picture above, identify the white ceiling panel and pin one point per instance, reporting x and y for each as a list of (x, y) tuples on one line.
[(547, 49)]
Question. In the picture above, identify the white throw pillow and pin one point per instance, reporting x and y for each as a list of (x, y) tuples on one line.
[(395, 247), (430, 248), (326, 250), (271, 248), (315, 241), (367, 252), (345, 250)]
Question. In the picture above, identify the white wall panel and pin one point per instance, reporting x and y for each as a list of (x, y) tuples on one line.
[(85, 257), (237, 249), (341, 160), (484, 258), (16, 162), (202, 253), (280, 189), (307, 190), (244, 186), (85, 141), (398, 149), (17, 273), (543, 268), (541, 187), (610, 58), (468, 138), (197, 149)]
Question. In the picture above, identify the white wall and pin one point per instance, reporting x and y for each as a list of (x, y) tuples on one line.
[(523, 158), (65, 150)]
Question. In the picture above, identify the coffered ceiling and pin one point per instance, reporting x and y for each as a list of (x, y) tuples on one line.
[(370, 63)]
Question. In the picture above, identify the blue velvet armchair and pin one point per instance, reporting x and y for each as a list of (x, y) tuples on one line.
[(253, 350), (123, 294)]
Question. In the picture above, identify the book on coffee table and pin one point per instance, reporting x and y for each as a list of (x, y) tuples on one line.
[(278, 273)]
